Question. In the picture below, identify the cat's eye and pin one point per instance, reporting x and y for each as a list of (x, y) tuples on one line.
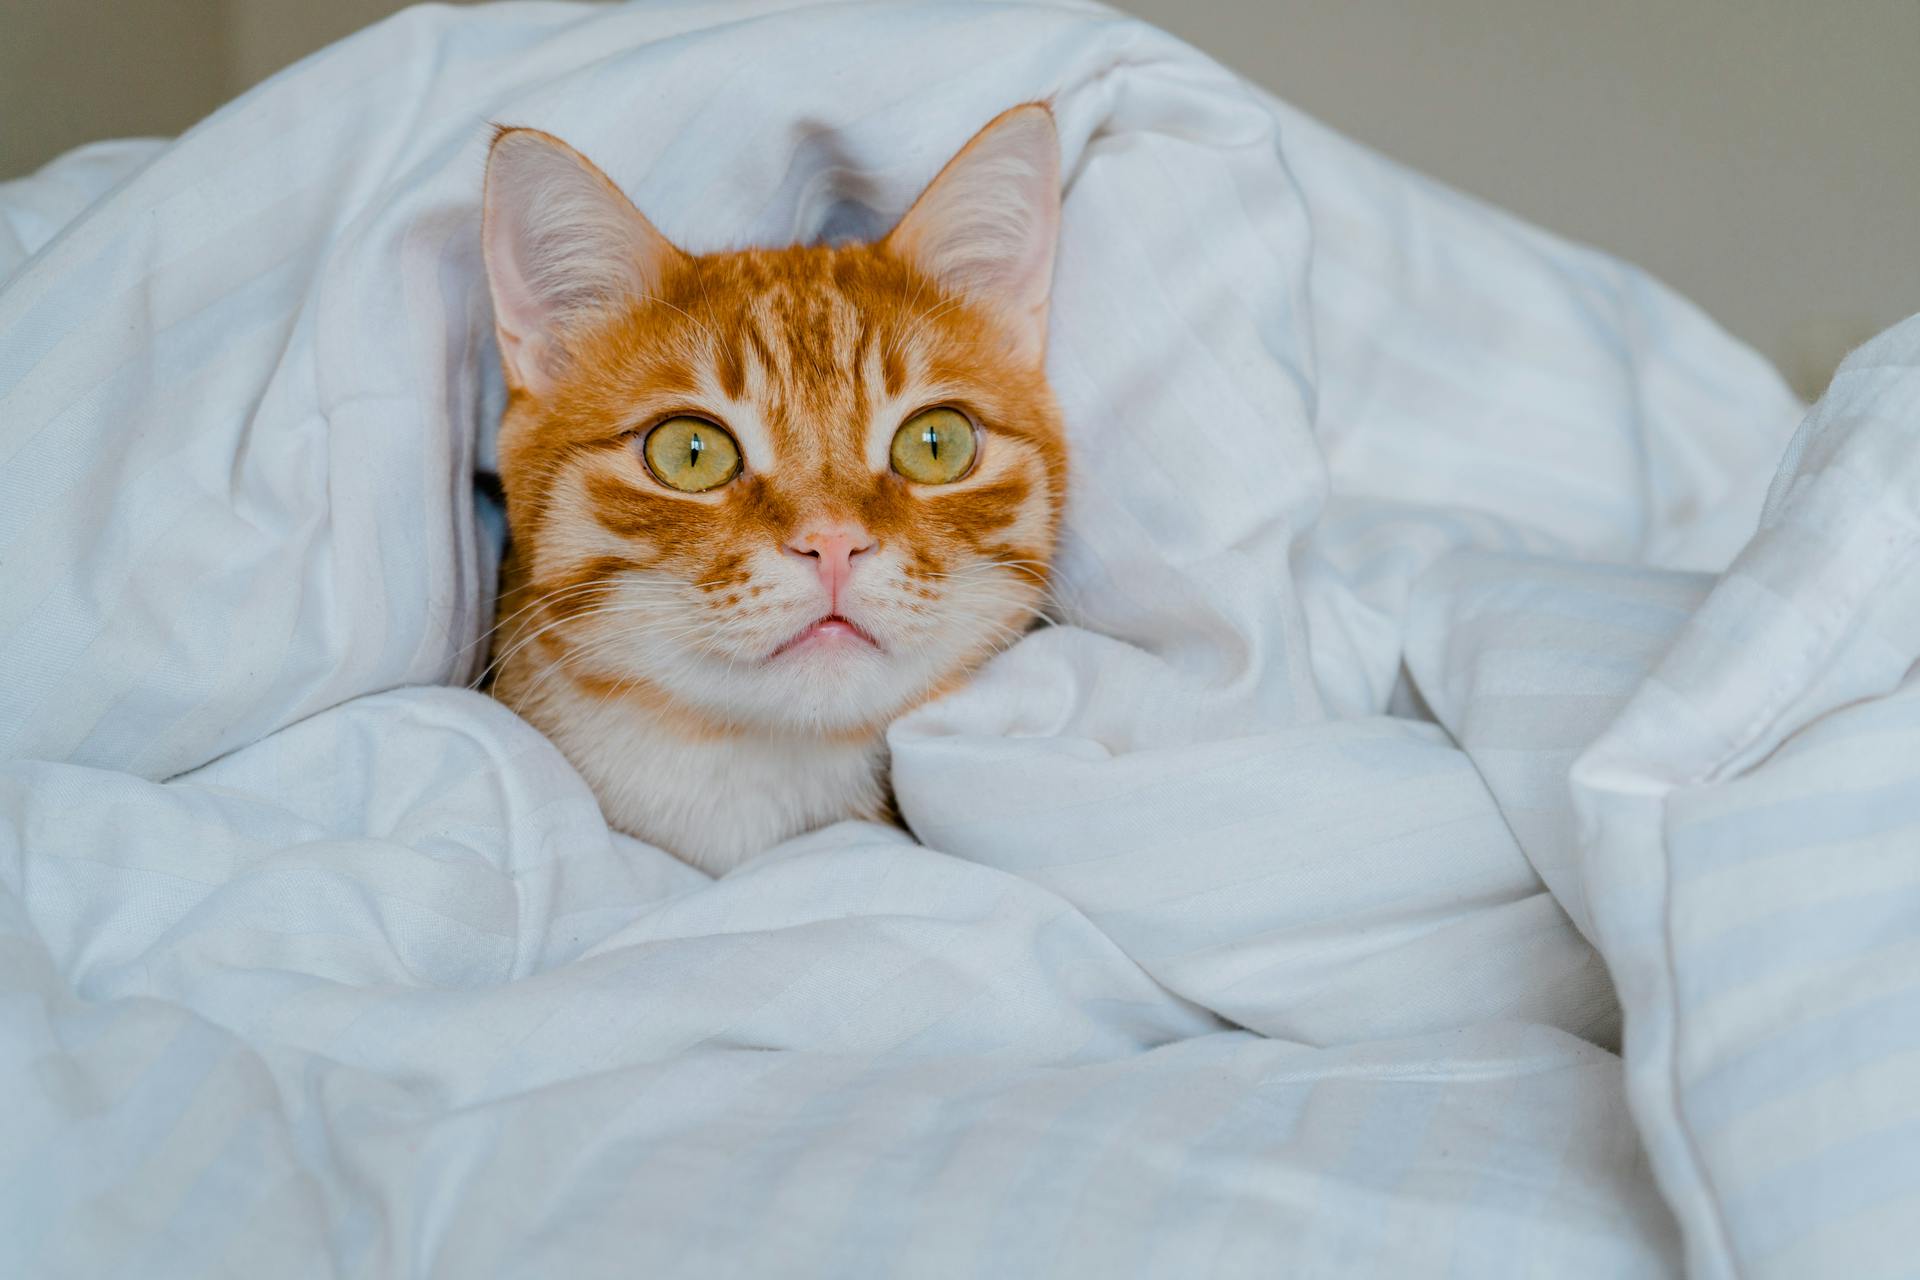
[(691, 455), (934, 446)]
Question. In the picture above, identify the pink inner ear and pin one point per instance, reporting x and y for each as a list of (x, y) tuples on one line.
[(563, 245), (988, 224)]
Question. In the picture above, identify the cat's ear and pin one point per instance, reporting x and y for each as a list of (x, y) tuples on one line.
[(986, 226), (563, 247)]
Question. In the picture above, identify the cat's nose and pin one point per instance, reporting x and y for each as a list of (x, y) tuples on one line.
[(832, 548)]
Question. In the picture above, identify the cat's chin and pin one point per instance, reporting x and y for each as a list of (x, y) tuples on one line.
[(825, 680)]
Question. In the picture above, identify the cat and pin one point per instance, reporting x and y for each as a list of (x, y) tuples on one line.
[(762, 502)]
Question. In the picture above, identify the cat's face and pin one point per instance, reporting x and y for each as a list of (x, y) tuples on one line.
[(797, 489)]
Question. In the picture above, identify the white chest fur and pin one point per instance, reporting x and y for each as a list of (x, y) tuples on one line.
[(714, 801)]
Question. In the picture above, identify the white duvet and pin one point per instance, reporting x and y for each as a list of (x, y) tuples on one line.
[(1274, 915)]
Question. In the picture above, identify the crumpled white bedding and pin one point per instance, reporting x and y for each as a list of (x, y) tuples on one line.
[(1258, 926)]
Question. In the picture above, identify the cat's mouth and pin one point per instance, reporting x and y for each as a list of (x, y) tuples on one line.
[(831, 630)]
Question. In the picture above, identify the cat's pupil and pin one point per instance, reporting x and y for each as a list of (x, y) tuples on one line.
[(693, 451), (932, 437)]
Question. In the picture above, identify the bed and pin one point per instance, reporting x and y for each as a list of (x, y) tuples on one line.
[(1463, 828)]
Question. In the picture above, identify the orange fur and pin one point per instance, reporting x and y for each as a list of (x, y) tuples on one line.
[(809, 355)]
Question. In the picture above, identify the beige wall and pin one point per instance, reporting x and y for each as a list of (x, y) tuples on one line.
[(1762, 156), (265, 35), (72, 71)]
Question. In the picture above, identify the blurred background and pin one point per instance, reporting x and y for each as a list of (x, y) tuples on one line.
[(1762, 156)]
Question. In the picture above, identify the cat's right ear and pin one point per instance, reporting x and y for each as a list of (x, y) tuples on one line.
[(987, 223), (564, 247)]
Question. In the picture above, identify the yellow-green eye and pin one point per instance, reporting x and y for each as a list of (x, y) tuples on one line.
[(934, 446), (692, 455)]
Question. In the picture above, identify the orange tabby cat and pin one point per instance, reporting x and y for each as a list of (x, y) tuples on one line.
[(763, 502)]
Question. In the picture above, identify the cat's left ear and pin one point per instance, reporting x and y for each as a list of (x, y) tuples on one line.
[(564, 248), (987, 225)]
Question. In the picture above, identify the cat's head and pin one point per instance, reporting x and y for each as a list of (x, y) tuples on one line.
[(799, 488)]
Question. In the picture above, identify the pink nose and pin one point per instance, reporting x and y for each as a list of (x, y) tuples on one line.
[(832, 547)]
